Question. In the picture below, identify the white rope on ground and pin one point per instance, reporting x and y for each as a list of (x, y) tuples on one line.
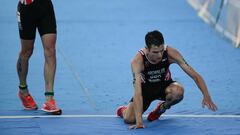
[(79, 80)]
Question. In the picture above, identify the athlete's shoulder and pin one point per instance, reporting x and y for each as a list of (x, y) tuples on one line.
[(171, 50), (173, 54), (140, 53), (138, 59)]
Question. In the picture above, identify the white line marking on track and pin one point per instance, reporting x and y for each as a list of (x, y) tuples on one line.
[(114, 116)]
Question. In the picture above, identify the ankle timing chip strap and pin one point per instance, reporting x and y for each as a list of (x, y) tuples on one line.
[(23, 87), (49, 93)]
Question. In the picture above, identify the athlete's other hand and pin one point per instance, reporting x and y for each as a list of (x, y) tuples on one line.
[(207, 101)]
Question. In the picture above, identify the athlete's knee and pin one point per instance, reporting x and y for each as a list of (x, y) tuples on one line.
[(176, 92)]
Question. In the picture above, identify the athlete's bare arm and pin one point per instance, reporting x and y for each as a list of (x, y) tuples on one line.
[(137, 67), (176, 57)]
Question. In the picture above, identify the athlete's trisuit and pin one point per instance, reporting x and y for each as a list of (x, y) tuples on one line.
[(155, 79)]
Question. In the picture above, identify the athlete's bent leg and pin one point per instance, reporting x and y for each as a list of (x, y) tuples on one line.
[(129, 114), (174, 94)]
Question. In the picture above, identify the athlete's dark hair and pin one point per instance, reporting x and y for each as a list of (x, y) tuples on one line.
[(154, 38)]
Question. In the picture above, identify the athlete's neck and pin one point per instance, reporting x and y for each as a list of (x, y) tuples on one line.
[(152, 61)]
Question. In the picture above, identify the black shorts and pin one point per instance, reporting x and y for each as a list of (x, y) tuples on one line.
[(39, 14), (153, 92)]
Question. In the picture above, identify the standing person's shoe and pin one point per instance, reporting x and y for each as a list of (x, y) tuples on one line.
[(156, 113), (120, 111), (50, 107), (27, 101)]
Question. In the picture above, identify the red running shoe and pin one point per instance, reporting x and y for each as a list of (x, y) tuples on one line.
[(27, 101), (50, 107), (156, 113), (120, 111)]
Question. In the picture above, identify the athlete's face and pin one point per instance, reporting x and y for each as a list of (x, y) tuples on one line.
[(155, 53)]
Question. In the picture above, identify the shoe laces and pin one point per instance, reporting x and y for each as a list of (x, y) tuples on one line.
[(51, 103)]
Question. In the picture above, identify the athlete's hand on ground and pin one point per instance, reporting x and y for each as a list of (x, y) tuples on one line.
[(136, 126), (209, 103)]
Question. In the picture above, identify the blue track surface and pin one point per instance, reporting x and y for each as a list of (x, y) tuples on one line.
[(96, 42)]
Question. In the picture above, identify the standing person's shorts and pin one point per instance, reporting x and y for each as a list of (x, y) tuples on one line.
[(153, 92), (39, 14)]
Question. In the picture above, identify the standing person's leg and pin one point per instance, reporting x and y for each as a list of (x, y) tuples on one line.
[(27, 31), (49, 45), (22, 63), (48, 31), (22, 69)]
